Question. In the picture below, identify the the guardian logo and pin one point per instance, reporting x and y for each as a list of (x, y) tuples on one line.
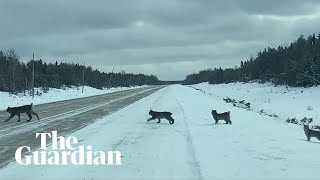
[(65, 151)]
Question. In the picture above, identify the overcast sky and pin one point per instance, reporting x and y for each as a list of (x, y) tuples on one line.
[(168, 38)]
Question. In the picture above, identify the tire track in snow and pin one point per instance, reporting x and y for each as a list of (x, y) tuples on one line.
[(141, 132), (194, 164)]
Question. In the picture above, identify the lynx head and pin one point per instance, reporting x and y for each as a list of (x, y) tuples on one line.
[(151, 112), (213, 111), (9, 109)]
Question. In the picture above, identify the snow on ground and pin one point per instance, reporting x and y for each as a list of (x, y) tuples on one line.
[(53, 95), (286, 102), (253, 147)]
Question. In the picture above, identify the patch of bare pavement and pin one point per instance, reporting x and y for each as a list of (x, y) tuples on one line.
[(64, 117)]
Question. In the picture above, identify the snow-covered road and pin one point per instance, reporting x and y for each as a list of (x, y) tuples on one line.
[(253, 147), (63, 116)]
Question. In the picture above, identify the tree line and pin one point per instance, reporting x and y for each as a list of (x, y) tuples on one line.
[(16, 76), (297, 64)]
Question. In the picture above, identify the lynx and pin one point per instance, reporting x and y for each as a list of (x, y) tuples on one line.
[(161, 115), (17, 111), (223, 116), (311, 133)]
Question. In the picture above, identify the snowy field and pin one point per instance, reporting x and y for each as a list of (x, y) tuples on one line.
[(53, 95), (253, 147), (285, 102)]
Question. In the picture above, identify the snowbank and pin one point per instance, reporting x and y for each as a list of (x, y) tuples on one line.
[(285, 102), (53, 95)]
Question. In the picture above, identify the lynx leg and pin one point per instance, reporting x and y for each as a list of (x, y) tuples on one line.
[(152, 118), (11, 116), (18, 117), (34, 113), (171, 120), (29, 115), (308, 138), (159, 120)]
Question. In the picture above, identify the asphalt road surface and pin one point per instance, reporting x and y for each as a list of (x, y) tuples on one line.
[(64, 117)]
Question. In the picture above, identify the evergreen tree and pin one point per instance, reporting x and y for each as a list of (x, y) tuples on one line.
[(16, 76), (295, 65)]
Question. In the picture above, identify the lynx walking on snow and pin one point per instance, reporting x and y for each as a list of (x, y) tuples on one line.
[(161, 115)]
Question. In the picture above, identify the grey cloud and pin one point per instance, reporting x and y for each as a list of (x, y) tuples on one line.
[(278, 7), (143, 35)]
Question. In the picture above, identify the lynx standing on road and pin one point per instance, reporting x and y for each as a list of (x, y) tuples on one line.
[(17, 111)]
